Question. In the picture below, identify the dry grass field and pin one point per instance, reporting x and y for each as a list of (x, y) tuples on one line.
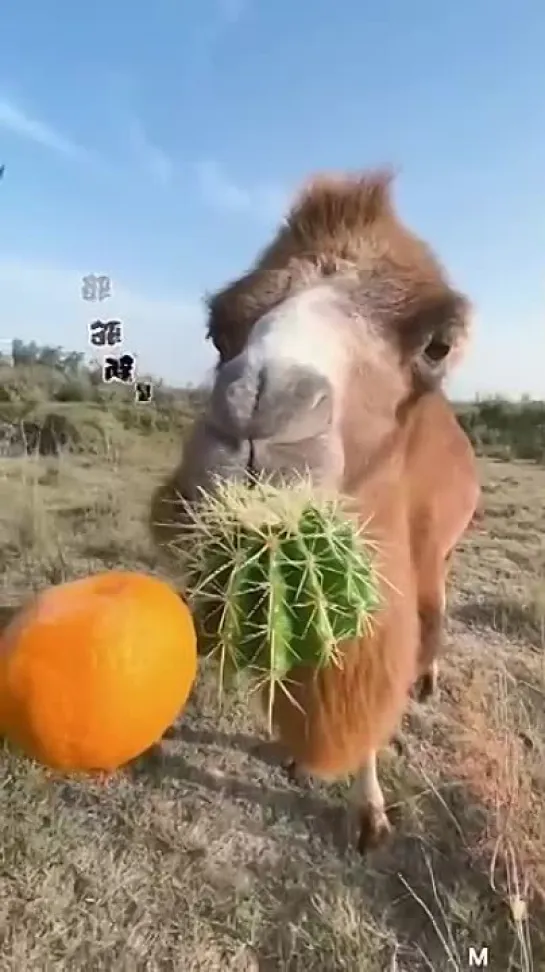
[(204, 857)]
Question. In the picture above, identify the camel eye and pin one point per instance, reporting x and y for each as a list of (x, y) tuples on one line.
[(220, 345), (436, 351)]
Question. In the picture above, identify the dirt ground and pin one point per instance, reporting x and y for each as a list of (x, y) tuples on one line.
[(204, 857)]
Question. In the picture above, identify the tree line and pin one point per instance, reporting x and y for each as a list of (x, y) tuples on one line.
[(27, 354)]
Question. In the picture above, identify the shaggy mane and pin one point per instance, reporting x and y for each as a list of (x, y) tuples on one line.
[(331, 208), (343, 226)]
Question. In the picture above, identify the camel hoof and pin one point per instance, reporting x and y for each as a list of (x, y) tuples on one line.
[(426, 687), (294, 773), (292, 770), (399, 744), (375, 829)]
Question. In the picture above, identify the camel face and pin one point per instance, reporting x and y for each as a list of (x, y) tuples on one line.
[(276, 407), (344, 319)]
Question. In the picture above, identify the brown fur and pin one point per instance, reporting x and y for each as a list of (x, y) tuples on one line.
[(409, 464), (340, 227), (419, 510)]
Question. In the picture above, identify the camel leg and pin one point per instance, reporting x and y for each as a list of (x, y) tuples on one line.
[(299, 777), (294, 773), (399, 743), (431, 610), (375, 827), (428, 683)]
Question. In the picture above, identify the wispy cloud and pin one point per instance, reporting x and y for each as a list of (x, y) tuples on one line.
[(221, 192), (26, 126), (147, 155), (150, 156), (231, 11)]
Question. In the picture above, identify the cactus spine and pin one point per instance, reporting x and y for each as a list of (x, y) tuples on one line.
[(285, 574)]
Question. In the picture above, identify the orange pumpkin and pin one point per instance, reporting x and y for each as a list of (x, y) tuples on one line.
[(94, 671)]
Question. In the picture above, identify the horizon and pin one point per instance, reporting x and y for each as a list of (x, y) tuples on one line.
[(163, 152), (204, 384)]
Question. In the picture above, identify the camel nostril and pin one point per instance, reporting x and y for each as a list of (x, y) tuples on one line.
[(256, 400), (233, 398), (291, 404), (251, 466), (319, 399)]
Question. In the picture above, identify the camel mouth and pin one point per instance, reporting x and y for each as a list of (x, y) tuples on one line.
[(274, 407), (317, 458), (277, 400)]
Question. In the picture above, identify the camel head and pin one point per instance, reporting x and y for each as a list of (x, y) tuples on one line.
[(345, 319)]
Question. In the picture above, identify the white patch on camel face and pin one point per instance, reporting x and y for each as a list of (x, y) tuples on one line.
[(304, 330)]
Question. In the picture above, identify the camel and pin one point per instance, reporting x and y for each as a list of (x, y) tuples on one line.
[(333, 350)]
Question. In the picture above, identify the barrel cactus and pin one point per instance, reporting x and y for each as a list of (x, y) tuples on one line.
[(285, 574)]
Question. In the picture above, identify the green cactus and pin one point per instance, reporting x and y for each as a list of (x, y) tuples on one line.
[(285, 575)]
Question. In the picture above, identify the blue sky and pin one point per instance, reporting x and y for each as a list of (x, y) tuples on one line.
[(159, 144)]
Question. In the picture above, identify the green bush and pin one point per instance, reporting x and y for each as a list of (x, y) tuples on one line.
[(505, 429)]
